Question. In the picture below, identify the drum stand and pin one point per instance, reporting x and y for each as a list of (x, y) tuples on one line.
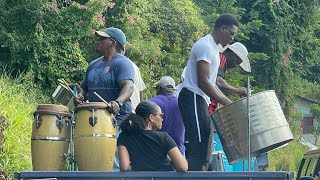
[(72, 160), (70, 156)]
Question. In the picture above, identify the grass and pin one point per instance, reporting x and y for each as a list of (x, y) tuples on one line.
[(18, 100), (287, 158)]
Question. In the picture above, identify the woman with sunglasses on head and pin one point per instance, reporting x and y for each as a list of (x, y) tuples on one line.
[(141, 148)]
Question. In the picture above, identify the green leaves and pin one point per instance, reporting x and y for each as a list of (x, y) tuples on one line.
[(18, 100), (51, 39), (160, 35)]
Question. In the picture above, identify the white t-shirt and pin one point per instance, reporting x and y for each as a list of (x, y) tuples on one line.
[(138, 85), (207, 50)]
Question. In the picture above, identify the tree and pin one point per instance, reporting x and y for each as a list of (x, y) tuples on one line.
[(49, 39), (159, 33)]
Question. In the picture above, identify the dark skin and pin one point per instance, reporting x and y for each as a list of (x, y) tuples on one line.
[(108, 48), (223, 35), (161, 90), (233, 61)]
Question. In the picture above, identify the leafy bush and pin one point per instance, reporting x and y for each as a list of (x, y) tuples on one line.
[(17, 104), (160, 35), (46, 38), (287, 158)]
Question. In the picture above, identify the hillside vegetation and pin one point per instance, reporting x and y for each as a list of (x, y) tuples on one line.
[(51, 39), (17, 104)]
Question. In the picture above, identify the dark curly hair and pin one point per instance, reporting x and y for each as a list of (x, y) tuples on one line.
[(138, 122)]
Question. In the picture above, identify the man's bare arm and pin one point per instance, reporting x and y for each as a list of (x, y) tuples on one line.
[(224, 86), (126, 87), (203, 73)]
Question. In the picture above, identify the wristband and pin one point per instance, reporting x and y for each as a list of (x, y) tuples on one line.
[(119, 102)]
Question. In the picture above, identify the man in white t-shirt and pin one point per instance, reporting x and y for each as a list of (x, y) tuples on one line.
[(138, 87), (194, 98)]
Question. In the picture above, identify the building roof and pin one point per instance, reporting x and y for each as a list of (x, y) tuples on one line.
[(308, 100)]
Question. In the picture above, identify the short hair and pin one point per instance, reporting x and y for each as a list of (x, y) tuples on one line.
[(226, 19)]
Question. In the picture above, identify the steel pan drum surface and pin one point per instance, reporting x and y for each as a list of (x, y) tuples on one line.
[(269, 128), (48, 142), (94, 143)]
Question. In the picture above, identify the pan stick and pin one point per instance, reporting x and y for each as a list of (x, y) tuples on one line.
[(101, 99), (62, 85), (62, 81)]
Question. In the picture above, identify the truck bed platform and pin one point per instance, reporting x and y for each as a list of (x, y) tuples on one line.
[(152, 175)]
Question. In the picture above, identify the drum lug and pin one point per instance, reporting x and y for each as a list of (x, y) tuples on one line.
[(92, 119), (59, 123), (38, 121)]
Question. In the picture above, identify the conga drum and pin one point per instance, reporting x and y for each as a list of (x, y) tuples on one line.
[(94, 137), (50, 137), (268, 126)]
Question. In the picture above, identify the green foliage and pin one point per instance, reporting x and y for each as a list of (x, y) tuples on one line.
[(54, 39), (160, 35), (46, 38), (17, 104), (287, 158)]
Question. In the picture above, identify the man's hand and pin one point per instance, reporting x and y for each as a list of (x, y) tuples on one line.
[(78, 99), (242, 91), (114, 107)]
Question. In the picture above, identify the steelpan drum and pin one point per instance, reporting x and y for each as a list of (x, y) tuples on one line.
[(269, 127), (50, 137), (94, 137)]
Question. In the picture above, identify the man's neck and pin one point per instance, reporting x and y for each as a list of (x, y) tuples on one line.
[(215, 36), (165, 93), (110, 55)]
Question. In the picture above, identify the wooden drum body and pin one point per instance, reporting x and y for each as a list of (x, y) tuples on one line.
[(268, 126), (94, 137), (50, 137)]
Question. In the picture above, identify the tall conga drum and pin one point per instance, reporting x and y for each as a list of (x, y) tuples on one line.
[(50, 137), (94, 137)]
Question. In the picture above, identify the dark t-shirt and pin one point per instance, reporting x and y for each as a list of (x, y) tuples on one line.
[(148, 150), (104, 77)]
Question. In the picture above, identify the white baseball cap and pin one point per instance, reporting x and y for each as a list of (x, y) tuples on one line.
[(240, 50), (166, 82)]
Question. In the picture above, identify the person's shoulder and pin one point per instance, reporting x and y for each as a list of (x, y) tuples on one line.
[(154, 98), (133, 64), (122, 57), (95, 61), (159, 99), (125, 135), (135, 67), (205, 39), (123, 60), (160, 133), (204, 42)]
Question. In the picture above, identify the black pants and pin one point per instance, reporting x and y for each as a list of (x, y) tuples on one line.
[(198, 126)]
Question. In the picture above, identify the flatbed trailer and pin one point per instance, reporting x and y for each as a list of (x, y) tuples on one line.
[(152, 175)]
